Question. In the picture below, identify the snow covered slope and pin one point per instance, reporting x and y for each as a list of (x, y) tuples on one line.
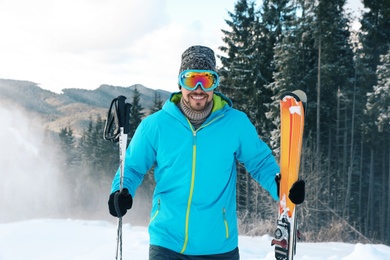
[(44, 239)]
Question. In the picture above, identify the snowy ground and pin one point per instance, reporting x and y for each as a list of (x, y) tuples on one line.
[(43, 239)]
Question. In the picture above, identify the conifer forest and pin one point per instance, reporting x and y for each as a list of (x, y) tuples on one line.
[(279, 46)]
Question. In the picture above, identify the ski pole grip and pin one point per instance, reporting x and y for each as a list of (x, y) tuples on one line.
[(121, 111)]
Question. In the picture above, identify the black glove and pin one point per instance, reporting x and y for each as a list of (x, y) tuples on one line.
[(297, 191), (120, 201)]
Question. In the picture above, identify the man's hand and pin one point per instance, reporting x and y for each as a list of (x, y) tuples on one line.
[(297, 192), (120, 202)]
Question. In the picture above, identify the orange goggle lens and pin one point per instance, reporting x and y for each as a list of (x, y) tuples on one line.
[(192, 79)]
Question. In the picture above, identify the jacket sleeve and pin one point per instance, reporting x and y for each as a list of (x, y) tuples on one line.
[(140, 157), (257, 158)]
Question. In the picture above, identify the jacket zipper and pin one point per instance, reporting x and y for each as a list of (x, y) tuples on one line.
[(191, 191), (226, 223), (155, 213), (194, 132)]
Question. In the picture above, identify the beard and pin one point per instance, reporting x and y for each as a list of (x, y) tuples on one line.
[(197, 102)]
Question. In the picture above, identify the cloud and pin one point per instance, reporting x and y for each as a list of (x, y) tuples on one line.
[(50, 41), (85, 43), (79, 25)]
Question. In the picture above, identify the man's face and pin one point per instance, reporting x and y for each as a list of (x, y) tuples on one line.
[(197, 99)]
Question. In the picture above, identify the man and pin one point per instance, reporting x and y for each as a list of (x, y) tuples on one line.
[(194, 142)]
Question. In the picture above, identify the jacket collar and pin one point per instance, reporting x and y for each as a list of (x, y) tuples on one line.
[(219, 99), (221, 104)]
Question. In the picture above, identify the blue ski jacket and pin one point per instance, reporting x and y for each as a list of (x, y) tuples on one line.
[(194, 201)]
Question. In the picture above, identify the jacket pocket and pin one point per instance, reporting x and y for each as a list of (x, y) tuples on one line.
[(156, 212), (225, 223)]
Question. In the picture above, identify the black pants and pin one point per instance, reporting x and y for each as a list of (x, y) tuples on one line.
[(161, 253)]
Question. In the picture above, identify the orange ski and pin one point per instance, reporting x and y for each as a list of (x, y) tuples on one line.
[(292, 117)]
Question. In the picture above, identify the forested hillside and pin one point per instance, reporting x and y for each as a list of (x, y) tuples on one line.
[(310, 45), (72, 108)]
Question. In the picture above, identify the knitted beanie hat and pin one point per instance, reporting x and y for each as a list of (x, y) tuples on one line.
[(197, 58)]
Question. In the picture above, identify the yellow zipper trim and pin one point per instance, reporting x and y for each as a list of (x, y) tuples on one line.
[(203, 126), (156, 213), (190, 198), (226, 223), (192, 180)]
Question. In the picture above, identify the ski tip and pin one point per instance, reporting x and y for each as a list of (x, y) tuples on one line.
[(298, 94)]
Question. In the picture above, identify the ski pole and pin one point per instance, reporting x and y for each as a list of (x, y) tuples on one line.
[(116, 129), (122, 152)]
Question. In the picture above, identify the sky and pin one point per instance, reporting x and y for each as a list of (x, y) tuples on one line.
[(83, 44)]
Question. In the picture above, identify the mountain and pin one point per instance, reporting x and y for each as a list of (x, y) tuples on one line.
[(74, 107)]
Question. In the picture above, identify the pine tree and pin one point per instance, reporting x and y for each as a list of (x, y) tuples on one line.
[(157, 103), (375, 37), (239, 80), (106, 153), (68, 145), (237, 72), (375, 41), (379, 100), (136, 114), (247, 68), (378, 110), (293, 56)]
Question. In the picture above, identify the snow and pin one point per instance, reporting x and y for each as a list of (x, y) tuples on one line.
[(86, 239), (295, 110)]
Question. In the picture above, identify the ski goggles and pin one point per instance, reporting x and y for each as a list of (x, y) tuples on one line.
[(192, 79)]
